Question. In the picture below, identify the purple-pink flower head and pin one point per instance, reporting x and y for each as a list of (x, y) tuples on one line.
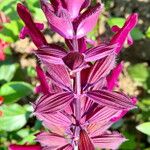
[(60, 19), (77, 103)]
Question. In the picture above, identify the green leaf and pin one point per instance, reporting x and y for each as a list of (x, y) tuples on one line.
[(7, 70), (9, 8), (144, 128), (31, 72), (13, 91), (148, 32), (129, 144), (116, 21), (138, 72), (137, 34), (23, 132), (27, 135), (11, 31), (13, 117)]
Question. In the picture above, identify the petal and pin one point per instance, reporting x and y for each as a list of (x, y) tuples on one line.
[(81, 44), (108, 140), (51, 54), (100, 70), (86, 4), (24, 147), (56, 4), (119, 115), (51, 140), (99, 128), (66, 147), (113, 77), (129, 39), (53, 88), (115, 28), (88, 20), (103, 115), (99, 52), (43, 88), (48, 104), (123, 33), (60, 24), (58, 119), (60, 76), (85, 142), (74, 6), (122, 113), (25, 31), (32, 28), (73, 60), (91, 42), (58, 129), (113, 100)]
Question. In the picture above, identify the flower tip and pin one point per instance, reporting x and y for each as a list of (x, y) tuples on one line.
[(22, 11), (134, 17), (20, 7)]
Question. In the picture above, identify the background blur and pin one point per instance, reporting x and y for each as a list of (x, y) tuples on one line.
[(18, 75)]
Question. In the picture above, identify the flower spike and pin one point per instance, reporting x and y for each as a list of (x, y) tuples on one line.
[(31, 28), (77, 102), (124, 32)]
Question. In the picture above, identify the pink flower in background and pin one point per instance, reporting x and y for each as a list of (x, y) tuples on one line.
[(76, 102), (3, 45), (24, 147)]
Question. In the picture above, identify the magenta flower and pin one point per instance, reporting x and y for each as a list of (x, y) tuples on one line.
[(32, 29), (124, 33), (60, 16), (24, 147), (76, 102), (3, 45)]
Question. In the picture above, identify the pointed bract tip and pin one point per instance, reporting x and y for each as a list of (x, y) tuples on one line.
[(24, 13), (21, 8)]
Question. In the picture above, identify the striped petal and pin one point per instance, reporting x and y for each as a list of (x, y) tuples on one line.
[(85, 142), (51, 54), (104, 114), (88, 20), (60, 24), (74, 60), (100, 70), (113, 100), (99, 52), (51, 140), (48, 104), (108, 140), (60, 76), (57, 119), (73, 7)]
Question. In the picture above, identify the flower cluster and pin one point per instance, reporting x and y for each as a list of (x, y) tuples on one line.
[(76, 100)]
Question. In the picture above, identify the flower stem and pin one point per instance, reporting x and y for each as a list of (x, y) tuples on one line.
[(77, 106)]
